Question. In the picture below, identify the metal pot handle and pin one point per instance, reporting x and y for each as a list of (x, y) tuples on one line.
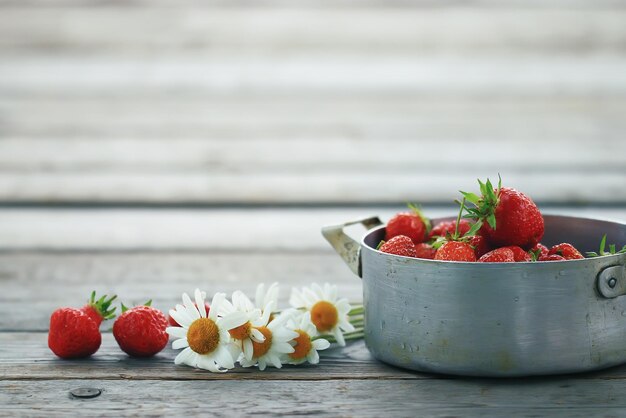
[(345, 246), (612, 281)]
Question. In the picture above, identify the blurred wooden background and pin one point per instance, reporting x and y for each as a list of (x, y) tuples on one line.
[(310, 102)]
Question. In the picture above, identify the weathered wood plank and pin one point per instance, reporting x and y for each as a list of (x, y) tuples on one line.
[(236, 229), (162, 156), (320, 4), (416, 31), (501, 75), (34, 285), (327, 186), (25, 356), (429, 398), (397, 117)]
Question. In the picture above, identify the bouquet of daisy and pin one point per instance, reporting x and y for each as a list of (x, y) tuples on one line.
[(217, 336)]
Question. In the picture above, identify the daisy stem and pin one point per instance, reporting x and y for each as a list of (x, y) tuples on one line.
[(355, 335), (358, 310)]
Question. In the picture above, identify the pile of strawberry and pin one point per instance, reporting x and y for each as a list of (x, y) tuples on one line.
[(75, 333), (503, 226)]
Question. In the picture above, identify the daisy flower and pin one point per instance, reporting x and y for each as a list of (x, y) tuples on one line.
[(245, 335), (263, 297), (204, 338), (276, 344), (306, 345), (327, 313)]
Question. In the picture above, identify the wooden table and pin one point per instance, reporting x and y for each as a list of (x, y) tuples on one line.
[(149, 147), (39, 274)]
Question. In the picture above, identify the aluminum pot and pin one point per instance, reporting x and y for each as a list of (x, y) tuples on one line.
[(482, 319)]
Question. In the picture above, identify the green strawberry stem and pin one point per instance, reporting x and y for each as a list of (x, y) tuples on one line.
[(103, 305), (486, 204), (417, 209), (612, 249)]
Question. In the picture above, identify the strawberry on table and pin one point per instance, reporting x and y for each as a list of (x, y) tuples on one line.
[(399, 245), (424, 250), (75, 333), (567, 251), (412, 224), (499, 255), (508, 217), (140, 331)]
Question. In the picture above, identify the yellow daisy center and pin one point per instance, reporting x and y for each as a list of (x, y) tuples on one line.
[(203, 336), (259, 349), (303, 345), (241, 332), (324, 316)]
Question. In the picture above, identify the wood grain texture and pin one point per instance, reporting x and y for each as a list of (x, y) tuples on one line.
[(249, 230), (284, 30), (67, 280), (29, 351), (431, 398)]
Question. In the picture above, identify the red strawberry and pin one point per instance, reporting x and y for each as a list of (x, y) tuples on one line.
[(499, 255), (444, 228), (519, 254), (140, 331), (543, 250), (98, 310), (455, 251), (480, 245), (567, 251), (425, 250), (551, 257), (73, 334), (399, 245), (509, 217), (172, 322), (411, 224)]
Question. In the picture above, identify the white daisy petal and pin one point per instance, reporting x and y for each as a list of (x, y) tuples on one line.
[(207, 363), (200, 303), (285, 348), (248, 349), (346, 326), (176, 332), (216, 305), (183, 356), (339, 337), (321, 344), (313, 357), (180, 317), (223, 358), (257, 336), (275, 361), (178, 344), (233, 320), (191, 309)]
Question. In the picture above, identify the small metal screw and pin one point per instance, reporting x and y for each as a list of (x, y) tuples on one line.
[(85, 393), (612, 282)]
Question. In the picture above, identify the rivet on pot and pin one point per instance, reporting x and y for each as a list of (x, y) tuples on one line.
[(612, 282)]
